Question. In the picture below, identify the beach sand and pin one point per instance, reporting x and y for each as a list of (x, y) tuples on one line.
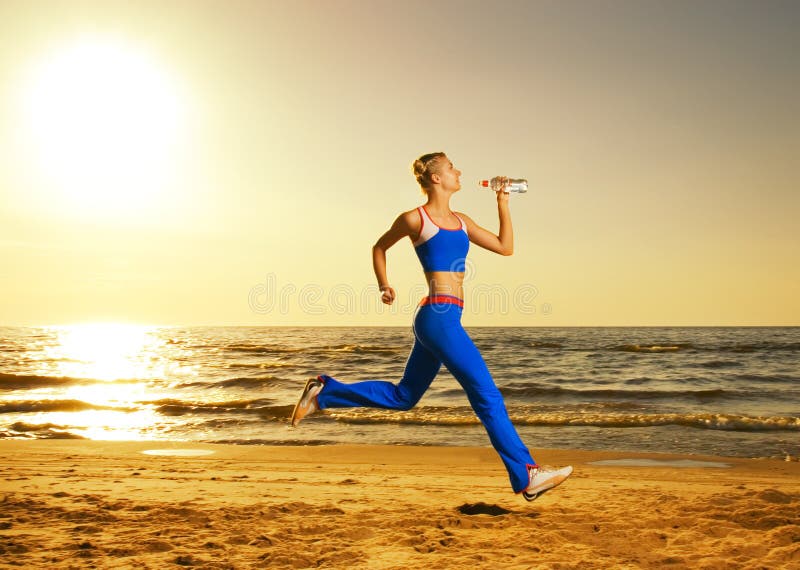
[(89, 504)]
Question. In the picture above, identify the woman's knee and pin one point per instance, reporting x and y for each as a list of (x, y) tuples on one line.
[(405, 399), (487, 401)]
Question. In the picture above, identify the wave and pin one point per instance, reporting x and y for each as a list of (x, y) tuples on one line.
[(262, 348), (34, 381), (260, 365), (276, 442), (365, 349), (540, 390), (648, 347), (19, 430), (519, 344), (546, 344), (31, 381), (717, 364), (765, 346), (670, 347), (433, 416), (768, 379), (29, 406), (241, 382), (314, 350), (262, 407)]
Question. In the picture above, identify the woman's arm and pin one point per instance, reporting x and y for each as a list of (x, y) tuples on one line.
[(503, 242), (402, 227)]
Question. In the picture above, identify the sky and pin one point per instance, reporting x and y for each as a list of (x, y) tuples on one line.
[(232, 163)]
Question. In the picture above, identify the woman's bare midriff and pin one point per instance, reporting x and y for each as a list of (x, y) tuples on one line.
[(445, 283)]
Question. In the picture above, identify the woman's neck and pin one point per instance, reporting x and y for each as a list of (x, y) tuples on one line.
[(438, 203)]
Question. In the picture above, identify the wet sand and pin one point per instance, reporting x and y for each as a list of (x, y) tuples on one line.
[(87, 504)]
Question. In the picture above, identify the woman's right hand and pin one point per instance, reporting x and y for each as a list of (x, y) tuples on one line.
[(387, 295), (502, 183)]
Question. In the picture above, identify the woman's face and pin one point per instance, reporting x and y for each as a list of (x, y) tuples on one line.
[(450, 176)]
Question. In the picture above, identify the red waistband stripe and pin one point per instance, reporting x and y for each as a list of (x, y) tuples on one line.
[(446, 299)]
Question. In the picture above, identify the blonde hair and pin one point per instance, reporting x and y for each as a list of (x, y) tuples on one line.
[(424, 167)]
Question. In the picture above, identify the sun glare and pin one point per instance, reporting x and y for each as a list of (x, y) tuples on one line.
[(106, 351), (103, 120), (115, 370)]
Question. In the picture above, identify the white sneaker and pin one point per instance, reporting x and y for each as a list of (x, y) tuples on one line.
[(544, 479), (307, 404)]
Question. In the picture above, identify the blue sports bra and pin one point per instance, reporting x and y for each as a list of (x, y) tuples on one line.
[(440, 249)]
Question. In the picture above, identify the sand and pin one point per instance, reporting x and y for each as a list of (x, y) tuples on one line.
[(87, 504)]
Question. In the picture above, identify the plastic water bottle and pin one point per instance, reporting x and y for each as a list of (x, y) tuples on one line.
[(514, 184)]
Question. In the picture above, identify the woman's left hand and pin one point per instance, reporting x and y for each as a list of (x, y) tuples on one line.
[(387, 295)]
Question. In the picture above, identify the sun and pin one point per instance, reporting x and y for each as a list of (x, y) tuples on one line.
[(102, 121)]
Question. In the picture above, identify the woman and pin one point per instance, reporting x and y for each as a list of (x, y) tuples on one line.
[(441, 239)]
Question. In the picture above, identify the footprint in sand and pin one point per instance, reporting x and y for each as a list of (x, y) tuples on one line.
[(482, 509)]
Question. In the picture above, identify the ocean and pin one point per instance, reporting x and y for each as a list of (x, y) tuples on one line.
[(713, 391)]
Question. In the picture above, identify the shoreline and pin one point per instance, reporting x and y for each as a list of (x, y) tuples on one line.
[(74, 503), (261, 451)]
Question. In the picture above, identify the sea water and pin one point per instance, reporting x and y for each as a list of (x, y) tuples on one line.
[(718, 391)]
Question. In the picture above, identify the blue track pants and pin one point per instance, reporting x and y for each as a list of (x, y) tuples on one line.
[(440, 339)]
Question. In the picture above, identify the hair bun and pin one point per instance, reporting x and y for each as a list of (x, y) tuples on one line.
[(422, 168)]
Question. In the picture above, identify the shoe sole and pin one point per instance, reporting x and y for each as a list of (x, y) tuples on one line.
[(540, 492), (299, 404)]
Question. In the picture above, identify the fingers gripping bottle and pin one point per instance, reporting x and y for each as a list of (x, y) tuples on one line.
[(519, 185)]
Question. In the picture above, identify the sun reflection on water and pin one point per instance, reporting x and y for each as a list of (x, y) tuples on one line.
[(109, 425), (126, 369), (106, 351)]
